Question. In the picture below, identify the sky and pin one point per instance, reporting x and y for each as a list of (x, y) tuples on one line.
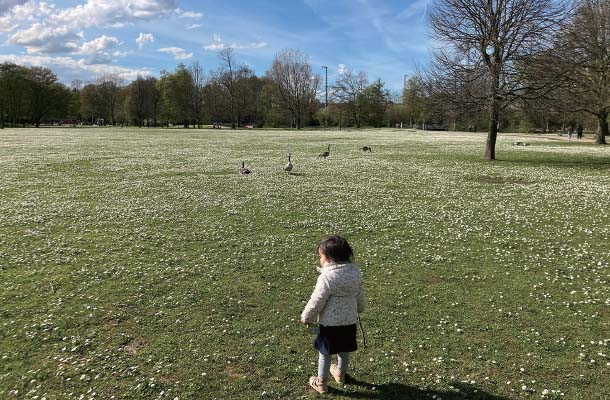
[(84, 39)]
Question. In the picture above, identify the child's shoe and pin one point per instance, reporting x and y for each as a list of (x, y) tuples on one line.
[(318, 385), (338, 375)]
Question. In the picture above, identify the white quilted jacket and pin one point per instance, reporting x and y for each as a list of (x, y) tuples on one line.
[(338, 297)]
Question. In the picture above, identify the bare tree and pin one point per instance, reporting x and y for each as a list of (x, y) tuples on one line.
[(349, 90), (227, 77), (110, 94), (490, 42), (199, 81), (295, 83), (583, 54)]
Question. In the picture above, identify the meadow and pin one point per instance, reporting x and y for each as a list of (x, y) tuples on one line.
[(139, 264)]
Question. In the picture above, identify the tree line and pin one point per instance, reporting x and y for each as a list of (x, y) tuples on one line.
[(232, 95), (546, 62)]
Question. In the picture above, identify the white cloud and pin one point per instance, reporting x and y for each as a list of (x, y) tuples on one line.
[(341, 69), (7, 5), (28, 11), (219, 45), (100, 44), (253, 45), (75, 68), (191, 14), (144, 38), (193, 26), (214, 47), (57, 31), (177, 52), (97, 50)]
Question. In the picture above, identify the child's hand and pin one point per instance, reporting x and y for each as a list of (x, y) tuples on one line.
[(303, 322)]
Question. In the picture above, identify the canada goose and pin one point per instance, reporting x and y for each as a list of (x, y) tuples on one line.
[(366, 148), (243, 170), (326, 153), (288, 166)]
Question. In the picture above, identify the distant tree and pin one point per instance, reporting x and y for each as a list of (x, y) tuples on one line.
[(110, 95), (295, 84), (89, 101), (416, 100), (45, 95), (226, 76), (582, 53), (349, 89), (215, 102), (74, 106), (491, 41), (177, 95), (199, 81), (13, 92), (247, 90), (139, 95), (376, 99)]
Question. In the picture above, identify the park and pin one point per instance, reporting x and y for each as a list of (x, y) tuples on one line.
[(141, 264), (215, 200)]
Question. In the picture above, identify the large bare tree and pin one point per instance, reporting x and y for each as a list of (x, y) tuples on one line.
[(583, 55), (110, 95), (349, 90), (295, 83), (490, 42)]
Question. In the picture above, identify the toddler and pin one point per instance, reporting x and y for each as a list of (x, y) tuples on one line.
[(335, 304)]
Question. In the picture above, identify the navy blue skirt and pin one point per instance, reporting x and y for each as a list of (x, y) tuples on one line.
[(336, 339)]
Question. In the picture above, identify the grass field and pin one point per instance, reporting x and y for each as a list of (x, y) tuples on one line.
[(138, 264)]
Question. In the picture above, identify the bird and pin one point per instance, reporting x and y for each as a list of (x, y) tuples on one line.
[(288, 166), (366, 148), (326, 153), (243, 170)]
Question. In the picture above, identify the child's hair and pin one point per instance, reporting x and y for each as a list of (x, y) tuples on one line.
[(336, 249)]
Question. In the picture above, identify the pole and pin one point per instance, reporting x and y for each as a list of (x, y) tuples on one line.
[(326, 100)]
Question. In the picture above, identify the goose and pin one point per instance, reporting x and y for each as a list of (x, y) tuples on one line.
[(243, 170), (366, 148), (326, 153), (288, 166)]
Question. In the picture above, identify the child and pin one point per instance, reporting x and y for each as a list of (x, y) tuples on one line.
[(335, 304)]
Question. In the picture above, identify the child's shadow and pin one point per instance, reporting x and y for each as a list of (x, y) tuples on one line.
[(398, 391)]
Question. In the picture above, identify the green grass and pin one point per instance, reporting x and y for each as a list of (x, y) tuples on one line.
[(140, 264)]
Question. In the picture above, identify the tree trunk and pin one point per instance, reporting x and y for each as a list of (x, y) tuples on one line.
[(490, 151), (602, 132)]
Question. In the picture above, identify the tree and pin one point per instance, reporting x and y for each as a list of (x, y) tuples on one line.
[(583, 55), (226, 77), (177, 95), (13, 92), (295, 84), (349, 90), (198, 79), (45, 95), (490, 41), (109, 95), (376, 100), (214, 101), (139, 99), (89, 103), (416, 101)]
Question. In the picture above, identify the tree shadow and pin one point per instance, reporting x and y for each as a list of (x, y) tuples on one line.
[(559, 163), (398, 391)]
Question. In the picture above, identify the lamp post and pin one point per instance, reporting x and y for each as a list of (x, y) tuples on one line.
[(326, 99)]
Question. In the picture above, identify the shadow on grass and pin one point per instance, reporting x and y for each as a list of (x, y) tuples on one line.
[(398, 391), (558, 162)]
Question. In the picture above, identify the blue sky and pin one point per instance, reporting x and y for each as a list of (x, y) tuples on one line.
[(82, 39)]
